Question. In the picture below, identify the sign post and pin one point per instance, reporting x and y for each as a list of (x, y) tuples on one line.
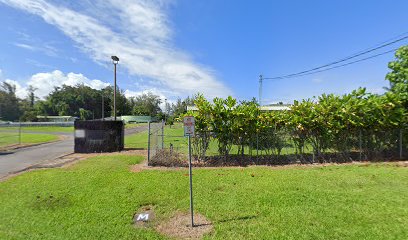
[(189, 124)]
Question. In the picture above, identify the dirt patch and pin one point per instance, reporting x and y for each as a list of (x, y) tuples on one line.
[(144, 217), (124, 152), (402, 164), (143, 166), (168, 158), (179, 226)]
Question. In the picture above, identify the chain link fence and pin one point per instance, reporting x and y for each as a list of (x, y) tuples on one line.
[(155, 139), (284, 147), (167, 145), (272, 146)]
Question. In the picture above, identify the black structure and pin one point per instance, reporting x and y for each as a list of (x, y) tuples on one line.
[(99, 136)]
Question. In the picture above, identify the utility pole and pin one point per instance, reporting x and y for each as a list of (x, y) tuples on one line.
[(260, 90)]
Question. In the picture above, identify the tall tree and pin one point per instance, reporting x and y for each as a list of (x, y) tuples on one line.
[(68, 100), (31, 95), (398, 77), (9, 103), (180, 106), (123, 105), (146, 104)]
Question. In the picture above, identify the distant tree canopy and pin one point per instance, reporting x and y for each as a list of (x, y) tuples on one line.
[(398, 76), (73, 101), (180, 106), (9, 110), (80, 101), (146, 104)]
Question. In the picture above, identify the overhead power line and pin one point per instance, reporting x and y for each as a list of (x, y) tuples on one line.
[(342, 65), (324, 67)]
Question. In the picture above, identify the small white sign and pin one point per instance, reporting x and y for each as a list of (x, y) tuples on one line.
[(144, 217), (79, 133), (189, 124)]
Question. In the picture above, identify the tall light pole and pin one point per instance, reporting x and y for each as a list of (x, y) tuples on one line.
[(115, 61), (103, 108)]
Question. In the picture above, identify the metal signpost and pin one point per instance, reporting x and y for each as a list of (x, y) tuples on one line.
[(188, 132)]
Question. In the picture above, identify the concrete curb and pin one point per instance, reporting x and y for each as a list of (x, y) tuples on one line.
[(42, 165)]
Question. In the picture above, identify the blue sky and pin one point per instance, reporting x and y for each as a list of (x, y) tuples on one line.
[(177, 48)]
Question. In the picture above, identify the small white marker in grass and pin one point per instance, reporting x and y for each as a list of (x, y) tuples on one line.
[(143, 217)]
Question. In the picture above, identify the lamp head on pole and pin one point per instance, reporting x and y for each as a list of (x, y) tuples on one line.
[(115, 59)]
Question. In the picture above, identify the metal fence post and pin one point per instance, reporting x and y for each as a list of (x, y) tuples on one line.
[(190, 173), (162, 145), (148, 144), (400, 143), (360, 144), (19, 133), (257, 146)]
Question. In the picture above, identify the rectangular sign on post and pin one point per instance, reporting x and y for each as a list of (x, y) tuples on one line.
[(189, 124)]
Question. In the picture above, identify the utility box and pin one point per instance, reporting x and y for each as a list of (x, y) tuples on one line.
[(99, 136)]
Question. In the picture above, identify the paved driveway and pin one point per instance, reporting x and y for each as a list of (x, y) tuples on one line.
[(20, 159)]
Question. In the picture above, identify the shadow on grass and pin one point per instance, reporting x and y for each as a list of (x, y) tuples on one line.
[(133, 148), (243, 218)]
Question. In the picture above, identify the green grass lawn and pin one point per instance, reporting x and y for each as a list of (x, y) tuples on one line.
[(137, 140), (11, 138), (41, 129), (132, 125), (173, 135), (96, 199)]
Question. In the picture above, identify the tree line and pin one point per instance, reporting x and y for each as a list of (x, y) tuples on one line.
[(83, 102)]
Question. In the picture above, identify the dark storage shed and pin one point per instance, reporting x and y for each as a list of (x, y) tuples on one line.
[(99, 136)]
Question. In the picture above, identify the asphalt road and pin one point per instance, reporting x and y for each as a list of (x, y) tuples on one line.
[(20, 159)]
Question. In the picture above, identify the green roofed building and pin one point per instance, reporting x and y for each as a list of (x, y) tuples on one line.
[(138, 119)]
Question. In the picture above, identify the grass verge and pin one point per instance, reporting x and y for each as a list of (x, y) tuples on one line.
[(7, 138), (96, 199)]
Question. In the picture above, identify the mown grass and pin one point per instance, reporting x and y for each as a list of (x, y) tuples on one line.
[(12, 138), (41, 129), (174, 135), (132, 125), (96, 199)]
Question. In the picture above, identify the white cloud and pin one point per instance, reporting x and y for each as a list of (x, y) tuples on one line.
[(25, 46), (44, 83), (21, 91), (141, 38), (45, 48)]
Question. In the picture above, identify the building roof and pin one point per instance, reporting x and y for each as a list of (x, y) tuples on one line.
[(262, 108)]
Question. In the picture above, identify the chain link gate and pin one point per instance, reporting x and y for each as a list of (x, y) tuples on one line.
[(155, 140)]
